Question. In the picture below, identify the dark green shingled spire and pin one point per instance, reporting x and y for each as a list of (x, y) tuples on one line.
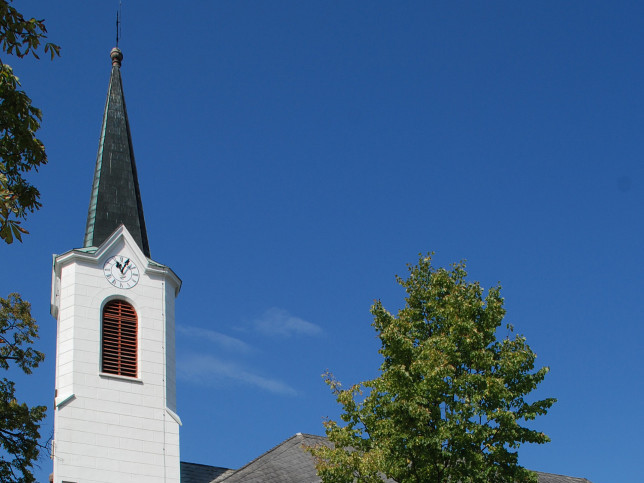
[(115, 199)]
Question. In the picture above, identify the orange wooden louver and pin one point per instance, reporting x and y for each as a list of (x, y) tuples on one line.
[(119, 342)]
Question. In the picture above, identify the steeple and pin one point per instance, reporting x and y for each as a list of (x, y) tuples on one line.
[(115, 199), (115, 416)]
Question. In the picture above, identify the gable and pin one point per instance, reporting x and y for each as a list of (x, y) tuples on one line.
[(287, 462)]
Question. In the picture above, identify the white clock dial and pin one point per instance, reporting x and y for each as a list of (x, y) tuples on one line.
[(121, 272)]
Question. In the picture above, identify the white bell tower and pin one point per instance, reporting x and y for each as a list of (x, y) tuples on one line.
[(115, 408)]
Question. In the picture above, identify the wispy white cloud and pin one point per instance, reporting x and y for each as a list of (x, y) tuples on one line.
[(221, 340), (279, 322), (204, 369)]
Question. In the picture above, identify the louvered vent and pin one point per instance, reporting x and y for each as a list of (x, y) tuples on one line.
[(119, 339)]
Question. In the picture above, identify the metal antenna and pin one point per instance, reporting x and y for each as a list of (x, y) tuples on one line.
[(118, 24)]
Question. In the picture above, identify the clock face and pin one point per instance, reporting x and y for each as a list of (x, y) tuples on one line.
[(121, 272)]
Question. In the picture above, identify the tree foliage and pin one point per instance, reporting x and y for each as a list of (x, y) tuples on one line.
[(19, 424), (450, 398), (20, 149), (20, 152)]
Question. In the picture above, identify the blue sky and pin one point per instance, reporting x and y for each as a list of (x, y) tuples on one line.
[(294, 156)]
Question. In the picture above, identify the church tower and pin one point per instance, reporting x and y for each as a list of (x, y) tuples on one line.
[(115, 406)]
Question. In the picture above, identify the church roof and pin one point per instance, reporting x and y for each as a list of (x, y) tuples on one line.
[(115, 197), (196, 473), (288, 462), (552, 478)]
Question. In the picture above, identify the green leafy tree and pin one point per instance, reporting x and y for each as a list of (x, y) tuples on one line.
[(20, 150), (19, 424), (451, 397)]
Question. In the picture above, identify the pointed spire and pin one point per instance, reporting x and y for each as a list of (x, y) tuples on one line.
[(115, 198)]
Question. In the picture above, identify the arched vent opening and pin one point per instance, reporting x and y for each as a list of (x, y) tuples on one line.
[(119, 340)]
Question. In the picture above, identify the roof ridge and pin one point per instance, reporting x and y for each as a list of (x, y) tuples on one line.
[(202, 464), (311, 435), (559, 474)]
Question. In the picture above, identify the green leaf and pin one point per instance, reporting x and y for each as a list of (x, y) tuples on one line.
[(20, 150)]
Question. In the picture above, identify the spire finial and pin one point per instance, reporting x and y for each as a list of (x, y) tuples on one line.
[(117, 56), (118, 24)]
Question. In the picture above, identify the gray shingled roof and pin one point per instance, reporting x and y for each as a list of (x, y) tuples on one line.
[(115, 197), (552, 478), (285, 463), (196, 473), (288, 462)]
